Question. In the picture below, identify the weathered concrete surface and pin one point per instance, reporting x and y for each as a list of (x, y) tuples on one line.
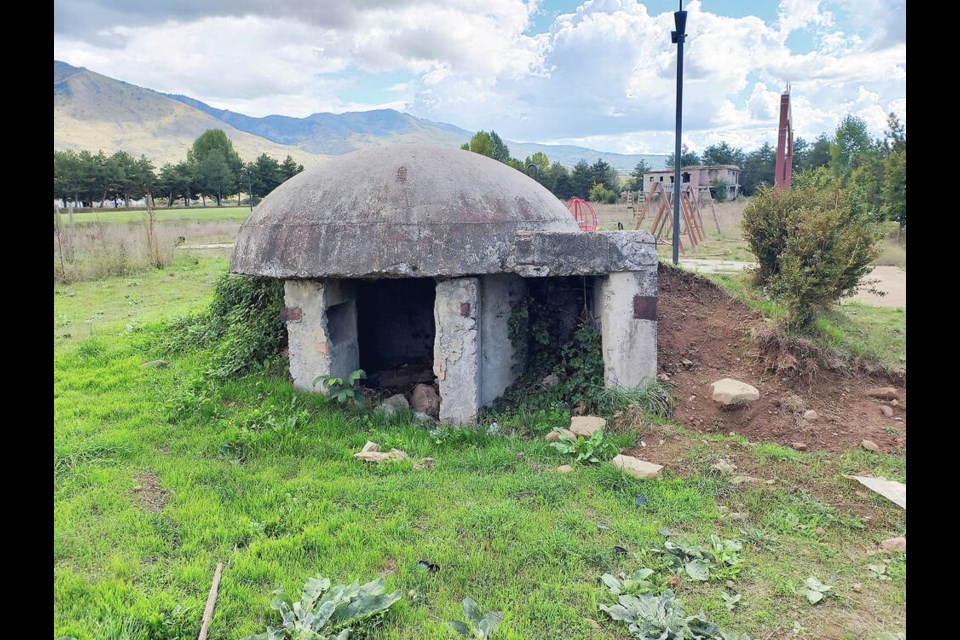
[(399, 210), (547, 253), (626, 306), (457, 349), (322, 330), (497, 354)]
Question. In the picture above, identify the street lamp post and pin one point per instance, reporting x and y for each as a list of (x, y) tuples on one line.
[(677, 37)]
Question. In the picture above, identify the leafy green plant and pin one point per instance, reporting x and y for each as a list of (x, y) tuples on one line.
[(878, 571), (813, 245), (815, 590), (662, 617), (478, 625), (639, 583), (593, 450), (342, 390), (323, 611), (732, 600), (720, 561)]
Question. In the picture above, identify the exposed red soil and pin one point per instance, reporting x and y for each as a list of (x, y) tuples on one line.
[(701, 323)]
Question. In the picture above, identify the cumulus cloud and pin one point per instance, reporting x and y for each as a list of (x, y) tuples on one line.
[(602, 74)]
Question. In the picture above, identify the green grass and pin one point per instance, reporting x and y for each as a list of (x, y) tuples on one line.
[(159, 476), (182, 214)]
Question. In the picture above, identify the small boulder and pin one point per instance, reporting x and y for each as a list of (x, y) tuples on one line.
[(370, 446), (732, 392), (799, 446), (883, 393), (553, 436), (421, 417), (724, 466), (586, 426), (870, 446), (425, 400), (687, 363), (391, 404), (551, 380), (424, 463), (857, 587), (810, 414), (371, 453), (159, 364), (887, 411), (636, 467), (744, 480), (894, 544), (564, 468), (663, 377)]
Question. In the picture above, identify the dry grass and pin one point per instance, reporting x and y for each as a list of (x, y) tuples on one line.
[(92, 251)]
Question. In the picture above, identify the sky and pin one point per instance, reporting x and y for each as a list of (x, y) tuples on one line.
[(596, 73)]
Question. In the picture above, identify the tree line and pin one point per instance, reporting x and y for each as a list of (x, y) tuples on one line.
[(872, 170), (212, 169)]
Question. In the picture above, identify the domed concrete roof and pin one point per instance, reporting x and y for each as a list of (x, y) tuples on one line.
[(401, 210)]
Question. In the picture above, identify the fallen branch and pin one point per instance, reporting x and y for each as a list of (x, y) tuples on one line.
[(211, 602)]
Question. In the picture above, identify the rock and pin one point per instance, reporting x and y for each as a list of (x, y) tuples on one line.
[(724, 466), (799, 446), (736, 515), (744, 479), (424, 418), (870, 446), (810, 414), (159, 364), (371, 453), (687, 363), (391, 404), (857, 587), (564, 468), (425, 400), (691, 398), (425, 463), (636, 467), (553, 436), (663, 377), (586, 426), (821, 531), (887, 411), (894, 402), (673, 581), (593, 624), (883, 393), (551, 380), (729, 584), (894, 544), (732, 392)]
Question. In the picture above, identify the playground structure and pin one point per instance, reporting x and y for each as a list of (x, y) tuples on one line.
[(660, 200), (584, 213)]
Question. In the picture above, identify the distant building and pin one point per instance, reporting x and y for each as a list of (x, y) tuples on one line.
[(697, 177)]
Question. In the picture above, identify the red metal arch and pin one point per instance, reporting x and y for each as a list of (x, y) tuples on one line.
[(583, 213)]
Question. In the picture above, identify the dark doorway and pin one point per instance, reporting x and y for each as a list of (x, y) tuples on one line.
[(396, 330)]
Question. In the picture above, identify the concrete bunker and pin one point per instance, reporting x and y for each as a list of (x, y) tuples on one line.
[(406, 261)]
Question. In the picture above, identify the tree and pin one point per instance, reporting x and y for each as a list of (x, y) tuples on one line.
[(850, 143), (811, 155), (481, 143), (895, 137), (176, 180), (723, 153), (687, 158), (759, 167), (602, 172), (216, 163), (636, 184), (499, 150), (289, 168), (537, 167), (895, 189), (581, 180), (559, 182)]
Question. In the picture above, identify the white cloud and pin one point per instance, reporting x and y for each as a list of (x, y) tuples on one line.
[(603, 74)]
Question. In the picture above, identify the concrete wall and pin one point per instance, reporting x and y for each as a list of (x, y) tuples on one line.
[(457, 348), (625, 304), (322, 330), (497, 355)]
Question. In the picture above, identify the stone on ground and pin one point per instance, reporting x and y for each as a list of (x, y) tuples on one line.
[(551, 380), (586, 426), (810, 414), (799, 446), (724, 466), (425, 400), (887, 411), (870, 446), (883, 393), (636, 467), (160, 364), (394, 402), (371, 453), (564, 468), (894, 544), (731, 392)]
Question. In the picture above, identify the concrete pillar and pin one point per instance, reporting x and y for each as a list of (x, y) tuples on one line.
[(497, 354), (457, 348), (321, 320), (626, 304)]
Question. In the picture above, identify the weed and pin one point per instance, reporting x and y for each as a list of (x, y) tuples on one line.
[(593, 450), (479, 625)]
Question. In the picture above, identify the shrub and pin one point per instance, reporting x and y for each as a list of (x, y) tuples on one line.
[(812, 244)]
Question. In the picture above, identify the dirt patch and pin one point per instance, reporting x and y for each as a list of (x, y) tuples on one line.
[(148, 493), (701, 324)]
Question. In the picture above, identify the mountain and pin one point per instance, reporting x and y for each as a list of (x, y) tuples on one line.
[(93, 112), (333, 134)]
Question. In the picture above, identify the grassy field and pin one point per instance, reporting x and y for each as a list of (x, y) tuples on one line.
[(159, 476), (179, 215)]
